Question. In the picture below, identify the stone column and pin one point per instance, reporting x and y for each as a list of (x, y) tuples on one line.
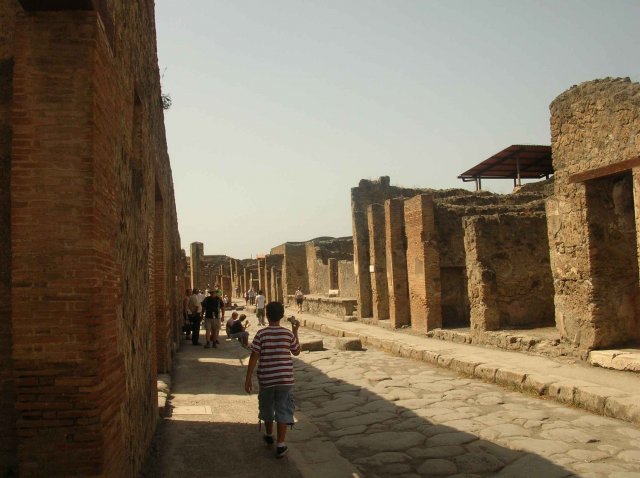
[(396, 252), (197, 253), (378, 262), (333, 273)]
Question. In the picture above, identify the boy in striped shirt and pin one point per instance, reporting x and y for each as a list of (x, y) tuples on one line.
[(271, 349)]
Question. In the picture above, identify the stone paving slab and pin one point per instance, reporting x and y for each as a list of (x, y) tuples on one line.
[(392, 416), (607, 392)]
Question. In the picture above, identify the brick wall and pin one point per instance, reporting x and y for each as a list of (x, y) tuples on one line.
[(509, 274), (8, 11), (94, 241), (423, 263), (584, 138)]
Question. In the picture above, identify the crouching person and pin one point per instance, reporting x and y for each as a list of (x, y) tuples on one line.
[(271, 350), (236, 329)]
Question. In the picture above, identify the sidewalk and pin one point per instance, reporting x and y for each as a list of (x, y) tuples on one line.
[(211, 427), (606, 392)]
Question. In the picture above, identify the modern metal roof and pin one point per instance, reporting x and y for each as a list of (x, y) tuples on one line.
[(517, 161)]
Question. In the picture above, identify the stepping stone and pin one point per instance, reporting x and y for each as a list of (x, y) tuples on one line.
[(348, 343), (312, 345)]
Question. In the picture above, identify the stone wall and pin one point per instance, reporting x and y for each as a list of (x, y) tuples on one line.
[(509, 274), (98, 191), (347, 279), (294, 268), (595, 133)]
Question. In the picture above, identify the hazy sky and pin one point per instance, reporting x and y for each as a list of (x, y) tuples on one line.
[(280, 107)]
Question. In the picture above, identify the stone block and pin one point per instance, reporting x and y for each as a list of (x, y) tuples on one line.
[(486, 372), (312, 345), (537, 384), (624, 408), (510, 378), (345, 343), (593, 398), (465, 367)]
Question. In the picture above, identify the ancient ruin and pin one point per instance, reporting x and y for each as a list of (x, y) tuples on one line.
[(560, 253), (91, 268), (92, 273)]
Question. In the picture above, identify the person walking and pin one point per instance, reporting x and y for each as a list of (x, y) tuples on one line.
[(272, 349), (260, 300), (213, 308), (299, 299), (252, 296)]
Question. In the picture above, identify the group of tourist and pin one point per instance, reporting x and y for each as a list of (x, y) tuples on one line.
[(196, 306)]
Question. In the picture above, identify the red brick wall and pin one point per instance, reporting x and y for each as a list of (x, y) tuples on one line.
[(96, 262), (53, 255), (8, 11)]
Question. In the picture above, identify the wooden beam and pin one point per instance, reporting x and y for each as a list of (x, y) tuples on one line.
[(605, 170)]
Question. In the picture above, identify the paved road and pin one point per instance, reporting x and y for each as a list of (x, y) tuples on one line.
[(393, 416), (387, 415)]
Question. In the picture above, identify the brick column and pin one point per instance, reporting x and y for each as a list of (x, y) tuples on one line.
[(378, 263), (423, 264), (396, 255)]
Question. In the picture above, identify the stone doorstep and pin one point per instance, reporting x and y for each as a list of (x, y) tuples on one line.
[(623, 359), (164, 388), (586, 395)]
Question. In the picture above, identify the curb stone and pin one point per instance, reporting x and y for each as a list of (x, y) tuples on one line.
[(586, 395)]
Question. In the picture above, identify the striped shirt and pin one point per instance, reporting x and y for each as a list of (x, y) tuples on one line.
[(275, 344)]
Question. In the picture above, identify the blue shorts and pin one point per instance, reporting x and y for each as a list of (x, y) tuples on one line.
[(276, 402)]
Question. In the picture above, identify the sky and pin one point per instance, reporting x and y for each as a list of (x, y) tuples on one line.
[(280, 107)]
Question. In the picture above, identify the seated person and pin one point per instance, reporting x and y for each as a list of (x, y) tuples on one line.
[(237, 330), (227, 325)]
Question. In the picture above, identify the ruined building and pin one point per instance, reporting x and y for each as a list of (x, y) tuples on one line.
[(419, 264), (562, 253), (323, 269), (90, 266)]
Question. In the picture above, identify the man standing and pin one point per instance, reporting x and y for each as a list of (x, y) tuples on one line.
[(271, 349), (213, 308), (299, 298), (260, 300), (195, 308)]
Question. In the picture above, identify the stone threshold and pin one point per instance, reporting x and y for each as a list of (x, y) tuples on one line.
[(593, 397), (627, 360)]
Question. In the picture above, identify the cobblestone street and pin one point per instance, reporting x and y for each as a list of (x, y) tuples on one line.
[(392, 416)]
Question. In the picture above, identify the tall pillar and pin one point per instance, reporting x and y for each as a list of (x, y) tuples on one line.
[(378, 262), (423, 264), (333, 273), (396, 252), (197, 253)]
